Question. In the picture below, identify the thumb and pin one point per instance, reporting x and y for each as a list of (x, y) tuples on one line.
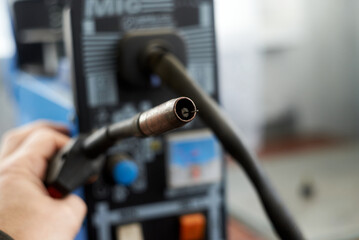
[(77, 210)]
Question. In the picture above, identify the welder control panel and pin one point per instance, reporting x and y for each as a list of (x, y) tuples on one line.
[(165, 187)]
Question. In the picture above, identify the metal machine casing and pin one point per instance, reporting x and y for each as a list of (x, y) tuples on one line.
[(158, 198)]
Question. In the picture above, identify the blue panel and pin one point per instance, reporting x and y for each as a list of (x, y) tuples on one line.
[(198, 151), (43, 98), (194, 159)]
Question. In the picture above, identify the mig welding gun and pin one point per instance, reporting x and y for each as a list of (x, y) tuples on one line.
[(83, 158)]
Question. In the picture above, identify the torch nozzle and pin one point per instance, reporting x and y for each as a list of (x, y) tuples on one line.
[(169, 115)]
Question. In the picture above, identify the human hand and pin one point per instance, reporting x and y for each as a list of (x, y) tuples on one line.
[(26, 209)]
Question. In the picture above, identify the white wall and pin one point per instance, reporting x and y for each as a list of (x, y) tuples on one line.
[(318, 75), (240, 67), (7, 47), (6, 50), (357, 60)]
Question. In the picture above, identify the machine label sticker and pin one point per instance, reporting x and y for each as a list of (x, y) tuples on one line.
[(147, 21), (109, 8)]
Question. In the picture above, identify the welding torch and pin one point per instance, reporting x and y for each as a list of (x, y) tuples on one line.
[(84, 157)]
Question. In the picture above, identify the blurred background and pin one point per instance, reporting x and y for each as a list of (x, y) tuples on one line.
[(289, 77), (294, 65), (7, 50)]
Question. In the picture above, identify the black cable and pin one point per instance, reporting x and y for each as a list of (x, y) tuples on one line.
[(175, 76)]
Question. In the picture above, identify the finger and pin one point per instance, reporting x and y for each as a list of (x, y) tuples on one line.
[(14, 138), (77, 206), (37, 149), (76, 211)]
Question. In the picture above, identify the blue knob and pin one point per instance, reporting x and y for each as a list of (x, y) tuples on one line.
[(125, 172)]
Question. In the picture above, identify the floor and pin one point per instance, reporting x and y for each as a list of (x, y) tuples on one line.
[(320, 187), (237, 231)]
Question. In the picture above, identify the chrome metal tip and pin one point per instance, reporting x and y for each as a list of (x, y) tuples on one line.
[(185, 109)]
